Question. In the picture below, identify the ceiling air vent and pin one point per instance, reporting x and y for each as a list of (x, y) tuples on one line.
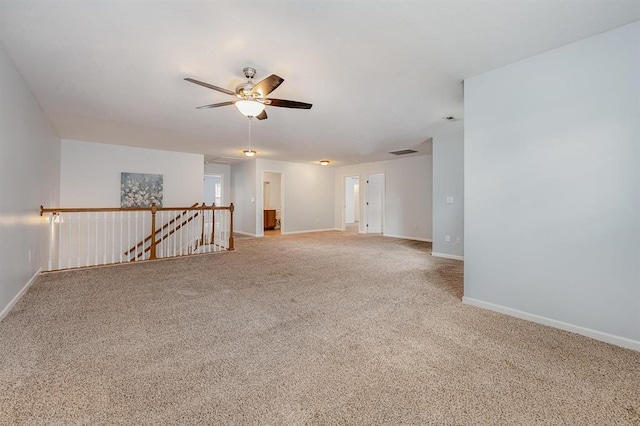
[(403, 152), (226, 160)]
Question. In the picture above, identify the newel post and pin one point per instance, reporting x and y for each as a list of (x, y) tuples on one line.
[(204, 206), (231, 208), (152, 251)]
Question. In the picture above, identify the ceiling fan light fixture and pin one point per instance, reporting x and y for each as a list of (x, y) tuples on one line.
[(324, 162), (250, 108), (249, 153)]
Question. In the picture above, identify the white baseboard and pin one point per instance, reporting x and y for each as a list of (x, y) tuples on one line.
[(594, 334), (404, 237), (447, 256), (310, 230), (21, 293), (248, 234)]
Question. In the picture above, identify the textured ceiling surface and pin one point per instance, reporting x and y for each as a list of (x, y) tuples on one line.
[(381, 75)]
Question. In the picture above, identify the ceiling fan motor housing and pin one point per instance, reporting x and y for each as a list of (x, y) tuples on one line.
[(249, 72), (244, 89)]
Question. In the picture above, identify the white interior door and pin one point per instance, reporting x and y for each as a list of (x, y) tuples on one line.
[(375, 203)]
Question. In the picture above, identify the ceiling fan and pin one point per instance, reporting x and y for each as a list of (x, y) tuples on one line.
[(251, 97)]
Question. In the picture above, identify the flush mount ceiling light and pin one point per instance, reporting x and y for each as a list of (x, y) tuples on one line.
[(324, 162), (250, 108)]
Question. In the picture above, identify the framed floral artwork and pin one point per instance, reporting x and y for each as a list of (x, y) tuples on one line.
[(140, 190)]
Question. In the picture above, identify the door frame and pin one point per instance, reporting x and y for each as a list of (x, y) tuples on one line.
[(344, 200), (221, 176), (384, 201), (261, 207)]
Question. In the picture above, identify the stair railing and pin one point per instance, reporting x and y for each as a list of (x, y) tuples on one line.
[(167, 232), (81, 237), (162, 229)]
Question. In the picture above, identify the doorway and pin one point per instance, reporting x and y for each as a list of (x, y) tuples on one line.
[(212, 191), (374, 206), (351, 216), (272, 198)]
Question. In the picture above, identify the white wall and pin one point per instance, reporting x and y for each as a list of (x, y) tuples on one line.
[(308, 196), (29, 177), (223, 170), (448, 181), (90, 173), (243, 196), (408, 188), (552, 184)]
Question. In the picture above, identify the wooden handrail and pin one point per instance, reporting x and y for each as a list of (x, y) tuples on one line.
[(128, 209)]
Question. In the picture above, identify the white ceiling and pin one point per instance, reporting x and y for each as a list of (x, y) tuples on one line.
[(380, 74)]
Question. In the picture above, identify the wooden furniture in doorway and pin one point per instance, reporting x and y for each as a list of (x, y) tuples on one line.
[(269, 219)]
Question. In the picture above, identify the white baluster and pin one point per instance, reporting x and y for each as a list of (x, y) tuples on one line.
[(220, 228), (216, 237), (174, 235), (216, 229), (166, 244), (104, 243), (188, 236), (88, 238), (136, 237), (227, 218), (113, 237), (51, 239), (77, 241), (210, 230), (223, 227), (207, 232), (97, 241), (128, 234), (163, 243), (59, 242), (181, 231), (69, 238), (143, 232), (121, 226)]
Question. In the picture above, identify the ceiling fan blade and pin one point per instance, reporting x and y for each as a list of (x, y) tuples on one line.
[(262, 115), (216, 105), (287, 104), (267, 85), (210, 86)]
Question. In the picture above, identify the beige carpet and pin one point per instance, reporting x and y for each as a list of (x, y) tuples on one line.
[(327, 328)]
